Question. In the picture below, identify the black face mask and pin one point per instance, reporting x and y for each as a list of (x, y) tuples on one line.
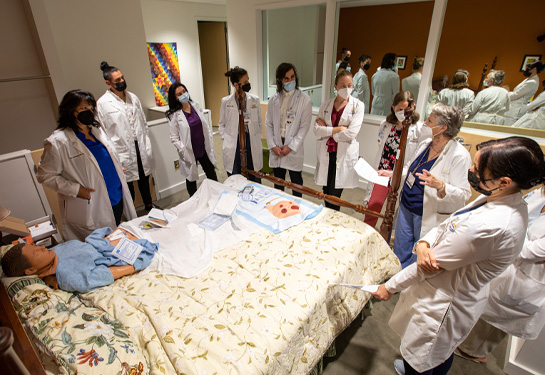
[(121, 86), (247, 87), (86, 117), (366, 66), (474, 181), (526, 73), (346, 58)]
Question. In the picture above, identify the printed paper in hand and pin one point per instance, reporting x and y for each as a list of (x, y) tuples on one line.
[(364, 170), (365, 288), (127, 250)]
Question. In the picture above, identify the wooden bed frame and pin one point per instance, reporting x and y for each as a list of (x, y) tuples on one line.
[(21, 347)]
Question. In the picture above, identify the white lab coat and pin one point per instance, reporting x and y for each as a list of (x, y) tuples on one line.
[(412, 84), (348, 148), (450, 167), (535, 114), (462, 98), (417, 134), (436, 311), (296, 132), (519, 98), (66, 165), (362, 91), (385, 84), (516, 304), (490, 106), (228, 129), (180, 136), (111, 114)]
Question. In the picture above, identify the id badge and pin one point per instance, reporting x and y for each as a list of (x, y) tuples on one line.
[(290, 117), (410, 180), (247, 119)]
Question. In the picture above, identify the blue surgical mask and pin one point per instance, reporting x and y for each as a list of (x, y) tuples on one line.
[(184, 98), (290, 86), (348, 68)]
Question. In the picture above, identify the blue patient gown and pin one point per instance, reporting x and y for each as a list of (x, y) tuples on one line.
[(83, 266)]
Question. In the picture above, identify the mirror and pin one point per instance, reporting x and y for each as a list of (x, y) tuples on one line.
[(476, 33), (295, 35), (375, 30)]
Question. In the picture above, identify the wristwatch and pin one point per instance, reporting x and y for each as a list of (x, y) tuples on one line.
[(441, 189)]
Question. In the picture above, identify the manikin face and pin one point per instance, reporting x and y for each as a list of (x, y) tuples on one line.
[(39, 257)]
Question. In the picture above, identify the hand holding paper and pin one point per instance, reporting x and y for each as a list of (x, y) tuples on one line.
[(364, 170)]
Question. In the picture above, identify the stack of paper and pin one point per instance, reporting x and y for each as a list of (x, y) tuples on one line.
[(160, 218)]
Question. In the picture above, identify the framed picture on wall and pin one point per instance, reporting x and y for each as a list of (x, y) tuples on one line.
[(401, 62), (529, 59)]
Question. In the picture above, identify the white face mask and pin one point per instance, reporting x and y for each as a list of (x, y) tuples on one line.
[(400, 115), (345, 93), (485, 83)]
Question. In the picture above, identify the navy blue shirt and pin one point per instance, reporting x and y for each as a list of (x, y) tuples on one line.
[(413, 198), (106, 164)]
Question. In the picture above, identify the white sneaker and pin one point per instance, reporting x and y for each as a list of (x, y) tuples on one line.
[(399, 366)]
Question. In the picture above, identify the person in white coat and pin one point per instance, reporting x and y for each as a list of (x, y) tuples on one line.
[(191, 134), (434, 184), (362, 90), (412, 82), (535, 113), (436, 311), (458, 93), (516, 304), (337, 126), (229, 125), (345, 57), (121, 114), (389, 136), (491, 103), (80, 163), (385, 84), (523, 92), (287, 123)]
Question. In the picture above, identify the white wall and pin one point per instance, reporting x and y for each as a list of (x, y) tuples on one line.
[(87, 32), (173, 21)]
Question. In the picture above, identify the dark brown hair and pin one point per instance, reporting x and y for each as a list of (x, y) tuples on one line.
[(281, 72), (14, 263), (403, 96)]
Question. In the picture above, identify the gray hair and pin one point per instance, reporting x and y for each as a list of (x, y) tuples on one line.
[(452, 117), (498, 76)]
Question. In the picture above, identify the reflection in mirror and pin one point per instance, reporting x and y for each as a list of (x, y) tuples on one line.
[(295, 35), (494, 58), (375, 31)]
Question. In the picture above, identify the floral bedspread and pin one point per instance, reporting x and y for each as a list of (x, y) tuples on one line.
[(264, 306)]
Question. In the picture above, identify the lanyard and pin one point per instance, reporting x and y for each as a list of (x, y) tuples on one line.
[(469, 209)]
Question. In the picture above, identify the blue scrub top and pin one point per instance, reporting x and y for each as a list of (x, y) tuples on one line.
[(413, 198), (106, 164)]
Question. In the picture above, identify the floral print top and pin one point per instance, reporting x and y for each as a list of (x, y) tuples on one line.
[(389, 152)]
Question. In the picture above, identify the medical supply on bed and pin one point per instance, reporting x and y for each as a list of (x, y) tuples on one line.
[(366, 171), (246, 194), (226, 204), (254, 195), (116, 235), (213, 222), (127, 250), (160, 218), (365, 288)]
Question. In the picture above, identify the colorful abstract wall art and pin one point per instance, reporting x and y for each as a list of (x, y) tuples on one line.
[(163, 60)]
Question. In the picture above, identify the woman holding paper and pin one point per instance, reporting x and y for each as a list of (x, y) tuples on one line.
[(389, 135), (337, 126), (435, 181)]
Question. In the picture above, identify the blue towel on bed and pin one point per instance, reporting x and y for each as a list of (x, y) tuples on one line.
[(83, 266)]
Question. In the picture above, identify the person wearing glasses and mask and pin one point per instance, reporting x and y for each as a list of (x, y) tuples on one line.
[(80, 163), (437, 310), (229, 121), (121, 114), (385, 84), (523, 92), (191, 134), (287, 123), (362, 91), (434, 181), (337, 126)]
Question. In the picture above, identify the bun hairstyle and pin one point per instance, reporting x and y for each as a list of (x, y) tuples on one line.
[(418, 62), (107, 70), (235, 74), (403, 96), (519, 158)]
